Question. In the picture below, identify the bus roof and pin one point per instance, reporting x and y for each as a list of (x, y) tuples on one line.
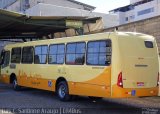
[(79, 38)]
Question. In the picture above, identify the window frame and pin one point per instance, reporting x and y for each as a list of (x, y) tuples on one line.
[(146, 45), (146, 11), (22, 55), (3, 61), (76, 53), (41, 54), (126, 19), (2, 56), (57, 54), (98, 41)]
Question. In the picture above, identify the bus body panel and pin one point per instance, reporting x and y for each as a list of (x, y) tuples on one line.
[(98, 85), (119, 92), (5, 71), (5, 78), (86, 80), (140, 64), (80, 83)]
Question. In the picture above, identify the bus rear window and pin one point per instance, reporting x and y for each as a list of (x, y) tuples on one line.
[(149, 44)]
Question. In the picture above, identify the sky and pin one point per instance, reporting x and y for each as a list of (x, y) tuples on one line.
[(104, 6)]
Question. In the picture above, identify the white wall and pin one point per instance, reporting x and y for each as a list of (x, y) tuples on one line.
[(15, 7), (54, 10), (19, 5), (64, 3), (121, 18), (130, 15), (133, 14), (134, 1), (158, 7), (4, 3), (109, 20), (145, 6)]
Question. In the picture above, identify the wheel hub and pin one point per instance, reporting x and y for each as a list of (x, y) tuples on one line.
[(62, 91)]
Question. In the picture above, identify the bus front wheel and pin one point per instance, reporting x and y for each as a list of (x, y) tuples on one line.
[(63, 91), (16, 87)]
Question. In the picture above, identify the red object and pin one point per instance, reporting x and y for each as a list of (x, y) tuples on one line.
[(119, 81), (158, 80), (140, 83), (126, 92)]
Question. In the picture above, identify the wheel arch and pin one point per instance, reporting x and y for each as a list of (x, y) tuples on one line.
[(59, 80), (12, 77)]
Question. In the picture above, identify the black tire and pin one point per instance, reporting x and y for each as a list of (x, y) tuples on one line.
[(63, 91), (16, 87), (95, 98)]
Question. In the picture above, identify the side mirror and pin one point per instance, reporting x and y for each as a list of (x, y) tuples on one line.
[(1, 57), (0, 61)]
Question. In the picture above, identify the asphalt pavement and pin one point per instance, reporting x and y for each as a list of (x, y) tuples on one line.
[(36, 101)]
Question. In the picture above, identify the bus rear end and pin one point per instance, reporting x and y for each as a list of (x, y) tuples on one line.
[(139, 73)]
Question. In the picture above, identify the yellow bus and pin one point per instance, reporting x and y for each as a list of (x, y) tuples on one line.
[(115, 64)]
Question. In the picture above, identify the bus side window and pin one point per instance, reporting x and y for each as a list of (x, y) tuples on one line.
[(99, 53), (27, 55), (75, 54), (6, 59), (16, 55), (41, 53), (56, 54)]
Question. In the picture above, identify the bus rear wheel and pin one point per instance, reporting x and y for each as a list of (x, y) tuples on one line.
[(16, 87), (63, 91), (95, 98)]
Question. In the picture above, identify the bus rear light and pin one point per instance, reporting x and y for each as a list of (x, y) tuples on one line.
[(158, 82), (119, 81), (128, 93)]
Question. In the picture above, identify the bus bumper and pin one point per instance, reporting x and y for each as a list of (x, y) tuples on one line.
[(118, 92)]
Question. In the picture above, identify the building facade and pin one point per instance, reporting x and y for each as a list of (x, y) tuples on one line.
[(137, 10), (57, 8), (23, 5), (42, 9), (6, 3)]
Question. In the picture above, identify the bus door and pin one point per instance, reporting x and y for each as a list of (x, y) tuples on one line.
[(5, 59), (1, 61)]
